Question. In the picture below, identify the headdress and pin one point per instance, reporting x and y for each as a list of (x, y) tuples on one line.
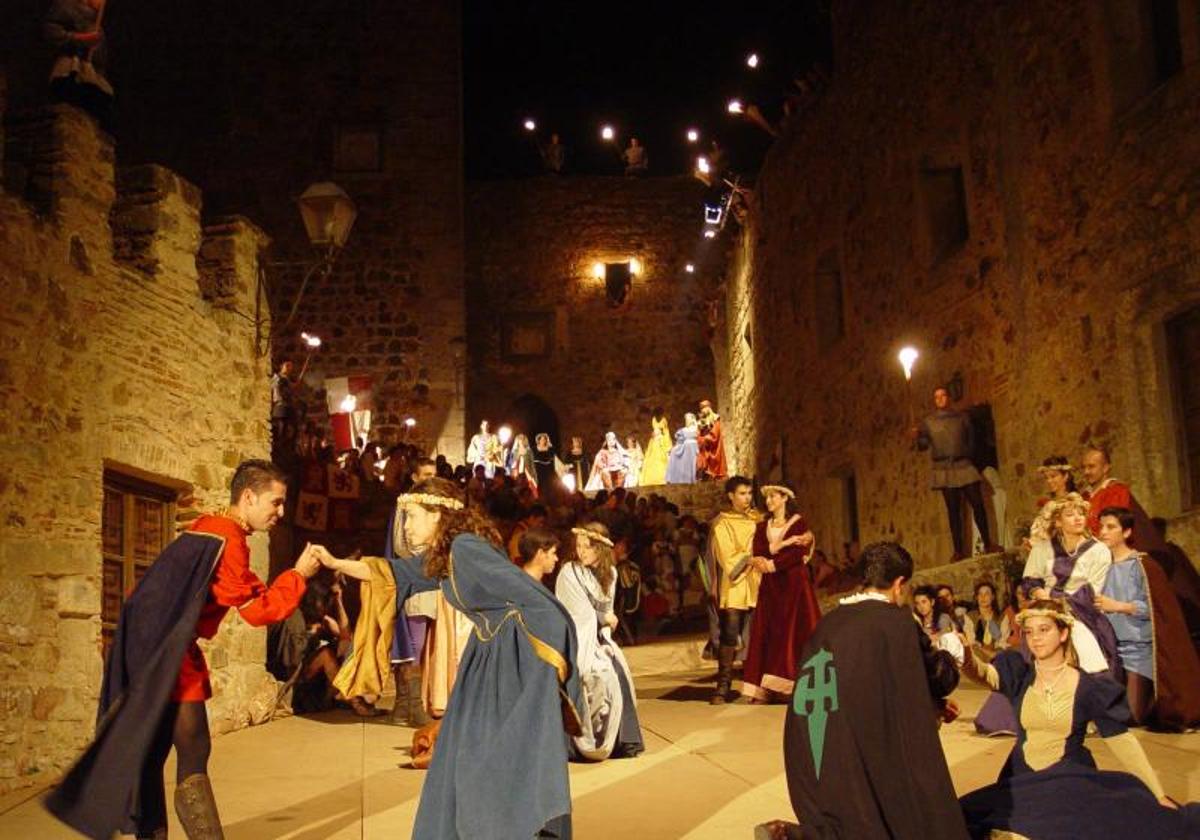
[(778, 488), (1049, 468), (1043, 526), (430, 500), (592, 535), (1044, 612)]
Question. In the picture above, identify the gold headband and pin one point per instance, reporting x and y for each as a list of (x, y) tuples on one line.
[(592, 535), (777, 488), (429, 499), (1041, 612), (1048, 468)]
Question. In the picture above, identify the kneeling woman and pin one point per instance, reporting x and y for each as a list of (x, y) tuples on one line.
[(1050, 787), (586, 586), (500, 767)]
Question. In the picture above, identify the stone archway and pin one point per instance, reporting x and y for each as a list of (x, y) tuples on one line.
[(532, 415)]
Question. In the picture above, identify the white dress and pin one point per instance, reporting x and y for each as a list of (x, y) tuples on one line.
[(600, 662), (1090, 567)]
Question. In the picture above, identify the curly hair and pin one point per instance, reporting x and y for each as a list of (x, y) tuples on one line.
[(605, 566), (468, 520), (1045, 527)]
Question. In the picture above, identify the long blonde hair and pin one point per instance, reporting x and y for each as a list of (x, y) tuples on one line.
[(605, 566)]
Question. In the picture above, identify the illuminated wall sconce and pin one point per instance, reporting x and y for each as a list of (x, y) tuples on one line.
[(618, 278)]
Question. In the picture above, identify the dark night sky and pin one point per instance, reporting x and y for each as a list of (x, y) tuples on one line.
[(650, 68)]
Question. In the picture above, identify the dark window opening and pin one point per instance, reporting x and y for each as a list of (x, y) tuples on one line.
[(1145, 47), (945, 199), (1183, 348), (830, 310)]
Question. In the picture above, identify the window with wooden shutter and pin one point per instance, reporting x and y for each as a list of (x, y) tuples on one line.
[(137, 522)]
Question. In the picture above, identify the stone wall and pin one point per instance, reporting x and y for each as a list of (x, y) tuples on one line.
[(127, 346), (1045, 291), (541, 332), (367, 96)]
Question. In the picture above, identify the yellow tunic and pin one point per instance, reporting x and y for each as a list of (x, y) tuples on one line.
[(732, 535), (654, 461)]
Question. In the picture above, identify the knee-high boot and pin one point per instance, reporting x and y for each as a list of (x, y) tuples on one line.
[(196, 808), (724, 674)]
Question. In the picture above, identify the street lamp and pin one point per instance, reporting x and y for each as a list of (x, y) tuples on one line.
[(328, 214)]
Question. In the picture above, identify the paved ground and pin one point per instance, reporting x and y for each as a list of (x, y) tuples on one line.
[(707, 773)]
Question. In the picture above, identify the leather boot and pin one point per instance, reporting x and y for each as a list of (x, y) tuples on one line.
[(402, 709), (416, 704), (196, 808), (724, 674)]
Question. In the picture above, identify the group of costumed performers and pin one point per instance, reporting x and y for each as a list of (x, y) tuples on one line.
[(1050, 787), (1128, 620), (156, 680), (787, 610), (499, 768), (587, 587), (862, 753)]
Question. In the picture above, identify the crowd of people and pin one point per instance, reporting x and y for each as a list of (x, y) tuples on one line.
[(498, 612)]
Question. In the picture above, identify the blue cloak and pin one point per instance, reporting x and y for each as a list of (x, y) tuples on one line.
[(500, 766)]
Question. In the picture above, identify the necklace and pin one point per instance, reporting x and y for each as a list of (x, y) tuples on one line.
[(1047, 689)]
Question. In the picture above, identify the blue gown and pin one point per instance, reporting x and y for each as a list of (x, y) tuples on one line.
[(681, 461), (499, 770)]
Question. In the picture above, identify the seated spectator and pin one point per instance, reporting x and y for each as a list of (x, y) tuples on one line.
[(988, 625), (534, 519), (928, 611), (538, 553), (950, 607), (310, 646)]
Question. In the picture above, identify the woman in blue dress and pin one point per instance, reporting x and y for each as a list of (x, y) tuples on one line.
[(1050, 788), (681, 461), (499, 770)]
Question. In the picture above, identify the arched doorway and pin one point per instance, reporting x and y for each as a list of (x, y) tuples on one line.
[(533, 415)]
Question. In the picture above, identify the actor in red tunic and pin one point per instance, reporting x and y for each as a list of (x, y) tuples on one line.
[(787, 611), (233, 585), (710, 461)]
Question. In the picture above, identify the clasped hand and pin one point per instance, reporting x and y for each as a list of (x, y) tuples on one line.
[(313, 558)]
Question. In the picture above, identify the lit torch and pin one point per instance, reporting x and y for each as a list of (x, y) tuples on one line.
[(908, 357)]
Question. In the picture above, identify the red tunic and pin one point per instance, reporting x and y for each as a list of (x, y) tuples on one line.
[(1112, 494), (233, 585), (786, 615), (710, 460)]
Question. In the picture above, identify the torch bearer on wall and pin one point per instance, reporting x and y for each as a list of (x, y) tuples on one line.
[(908, 357), (312, 343)]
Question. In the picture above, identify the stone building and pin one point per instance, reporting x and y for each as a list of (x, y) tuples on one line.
[(1016, 193), (133, 379), (547, 346)]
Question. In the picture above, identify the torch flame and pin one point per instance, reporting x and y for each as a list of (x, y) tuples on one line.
[(908, 356)]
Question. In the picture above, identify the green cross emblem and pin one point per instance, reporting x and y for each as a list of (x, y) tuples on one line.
[(816, 685)]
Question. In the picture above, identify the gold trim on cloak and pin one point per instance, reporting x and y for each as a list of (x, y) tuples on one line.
[(542, 649)]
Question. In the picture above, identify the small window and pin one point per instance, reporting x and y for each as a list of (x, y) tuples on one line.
[(1183, 347), (137, 522), (829, 303), (1145, 47), (850, 505), (945, 201)]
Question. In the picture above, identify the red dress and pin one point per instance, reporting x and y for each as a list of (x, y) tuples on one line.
[(785, 616), (233, 585)]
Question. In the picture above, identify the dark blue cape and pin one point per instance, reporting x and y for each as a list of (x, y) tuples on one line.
[(99, 794), (500, 767)]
